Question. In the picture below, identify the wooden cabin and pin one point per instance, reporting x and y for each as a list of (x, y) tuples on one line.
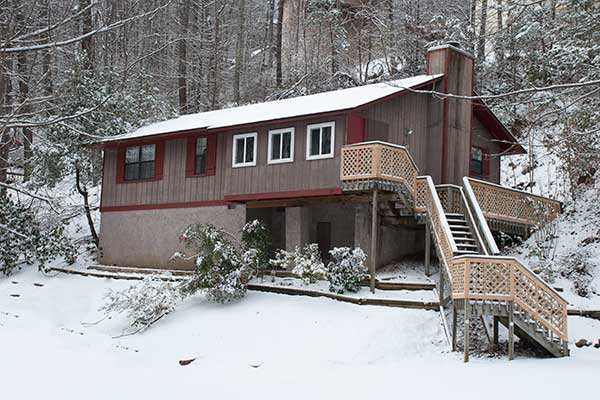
[(279, 161)]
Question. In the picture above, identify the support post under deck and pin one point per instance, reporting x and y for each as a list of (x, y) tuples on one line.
[(454, 327), (495, 333), (427, 249), (511, 332), (466, 333), (374, 228)]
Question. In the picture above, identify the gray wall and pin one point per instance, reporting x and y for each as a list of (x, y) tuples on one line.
[(148, 238)]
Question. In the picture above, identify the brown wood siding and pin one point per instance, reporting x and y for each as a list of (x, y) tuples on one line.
[(175, 187), (482, 138), (420, 114)]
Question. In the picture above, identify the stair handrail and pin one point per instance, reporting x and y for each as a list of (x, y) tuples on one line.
[(511, 292), (550, 206), (437, 217), (479, 220), (469, 215)]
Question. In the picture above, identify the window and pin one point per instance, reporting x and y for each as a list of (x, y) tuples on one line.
[(476, 161), (244, 150), (281, 146), (139, 162), (200, 155), (320, 140)]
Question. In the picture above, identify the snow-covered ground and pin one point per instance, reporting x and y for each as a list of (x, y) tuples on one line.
[(266, 346)]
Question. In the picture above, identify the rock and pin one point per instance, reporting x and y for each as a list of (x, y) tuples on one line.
[(597, 345), (186, 362), (582, 342), (38, 284), (15, 295)]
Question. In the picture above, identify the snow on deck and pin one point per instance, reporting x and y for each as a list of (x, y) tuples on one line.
[(266, 346), (336, 100)]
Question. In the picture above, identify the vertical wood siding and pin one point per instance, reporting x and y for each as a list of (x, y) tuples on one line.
[(482, 138), (175, 187)]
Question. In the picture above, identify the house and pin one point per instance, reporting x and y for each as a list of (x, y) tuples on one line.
[(392, 168), (279, 161)]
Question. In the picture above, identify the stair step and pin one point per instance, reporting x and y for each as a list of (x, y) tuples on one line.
[(465, 234), (454, 215), (464, 239), (464, 252), (459, 227), (466, 246), (454, 220)]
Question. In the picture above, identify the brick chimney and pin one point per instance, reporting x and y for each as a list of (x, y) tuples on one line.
[(455, 134)]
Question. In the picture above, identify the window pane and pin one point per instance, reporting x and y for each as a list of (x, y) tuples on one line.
[(200, 156), (249, 149), (326, 140), (200, 165), (132, 171), (276, 146), (239, 151), (148, 152), (132, 154), (314, 142), (147, 170), (201, 146), (286, 152)]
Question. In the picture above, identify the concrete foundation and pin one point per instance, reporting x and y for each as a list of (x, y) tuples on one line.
[(148, 238), (394, 241)]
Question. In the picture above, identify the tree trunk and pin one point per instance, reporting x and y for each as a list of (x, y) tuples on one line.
[(239, 52), (184, 12), (86, 204), (278, 45), (482, 33), (24, 76), (87, 44)]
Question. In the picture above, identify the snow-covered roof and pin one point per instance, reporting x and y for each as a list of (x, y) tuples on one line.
[(337, 100)]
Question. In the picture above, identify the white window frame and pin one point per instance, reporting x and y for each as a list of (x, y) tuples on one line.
[(320, 126), (234, 150), (270, 147)]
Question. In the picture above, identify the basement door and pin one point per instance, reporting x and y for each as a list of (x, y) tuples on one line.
[(324, 239)]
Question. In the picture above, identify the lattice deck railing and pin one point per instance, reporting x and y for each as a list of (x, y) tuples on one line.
[(378, 160), (513, 206), (506, 279)]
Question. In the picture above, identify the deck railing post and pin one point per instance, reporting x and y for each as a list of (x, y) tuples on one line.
[(427, 248), (511, 331), (374, 228)]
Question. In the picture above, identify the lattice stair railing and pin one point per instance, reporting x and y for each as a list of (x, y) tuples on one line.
[(510, 205), (506, 279)]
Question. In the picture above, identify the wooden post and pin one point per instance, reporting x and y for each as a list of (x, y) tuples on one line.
[(454, 326), (374, 228), (495, 333), (441, 292), (466, 333), (511, 332), (427, 249)]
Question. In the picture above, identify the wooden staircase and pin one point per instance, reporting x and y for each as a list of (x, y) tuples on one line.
[(481, 283), (462, 234)]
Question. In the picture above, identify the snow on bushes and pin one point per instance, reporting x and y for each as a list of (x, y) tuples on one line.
[(144, 303), (347, 269), (220, 272), (305, 263), (27, 236), (256, 239)]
